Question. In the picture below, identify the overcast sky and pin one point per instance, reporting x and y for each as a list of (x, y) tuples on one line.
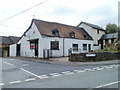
[(70, 12)]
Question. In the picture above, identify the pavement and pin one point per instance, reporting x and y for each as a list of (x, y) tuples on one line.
[(65, 61)]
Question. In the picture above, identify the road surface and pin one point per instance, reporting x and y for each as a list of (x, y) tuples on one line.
[(27, 74)]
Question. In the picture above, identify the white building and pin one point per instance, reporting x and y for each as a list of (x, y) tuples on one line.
[(58, 38), (95, 32)]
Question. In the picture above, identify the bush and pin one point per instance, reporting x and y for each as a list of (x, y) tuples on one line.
[(108, 48)]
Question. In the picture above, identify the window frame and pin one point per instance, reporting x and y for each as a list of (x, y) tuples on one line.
[(85, 47), (98, 31), (52, 43), (72, 34), (55, 32), (75, 48)]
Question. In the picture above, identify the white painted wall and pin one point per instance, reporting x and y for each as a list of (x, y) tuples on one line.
[(93, 32), (12, 50), (32, 33), (70, 42), (44, 43)]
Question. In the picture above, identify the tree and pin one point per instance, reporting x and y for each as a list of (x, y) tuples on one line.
[(111, 28)]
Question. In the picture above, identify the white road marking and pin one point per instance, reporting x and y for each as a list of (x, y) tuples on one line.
[(116, 65), (100, 69), (107, 84), (108, 66), (92, 70), (1, 84), (79, 71), (31, 79), (30, 72), (113, 65), (25, 64), (87, 69), (96, 68), (56, 75), (43, 76), (67, 72), (8, 63), (14, 82)]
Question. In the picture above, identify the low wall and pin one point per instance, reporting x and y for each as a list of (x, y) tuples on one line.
[(98, 57)]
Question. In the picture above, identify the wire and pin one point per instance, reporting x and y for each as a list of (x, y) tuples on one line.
[(22, 11)]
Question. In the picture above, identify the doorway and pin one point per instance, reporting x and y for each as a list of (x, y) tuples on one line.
[(18, 49), (102, 46), (36, 47), (89, 47)]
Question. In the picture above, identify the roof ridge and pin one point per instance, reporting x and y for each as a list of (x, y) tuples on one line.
[(55, 23)]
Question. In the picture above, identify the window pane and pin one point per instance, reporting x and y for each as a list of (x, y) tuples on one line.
[(75, 47), (54, 45), (84, 46)]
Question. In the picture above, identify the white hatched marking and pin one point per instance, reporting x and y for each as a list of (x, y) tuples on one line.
[(15, 82), (31, 79)]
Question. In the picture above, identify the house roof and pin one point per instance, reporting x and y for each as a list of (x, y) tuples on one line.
[(8, 40), (92, 25), (14, 39), (45, 28), (109, 36)]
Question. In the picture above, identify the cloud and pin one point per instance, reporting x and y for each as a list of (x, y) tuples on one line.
[(70, 12)]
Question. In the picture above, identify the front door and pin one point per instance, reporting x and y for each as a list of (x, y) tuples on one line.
[(102, 44), (89, 47), (36, 47), (18, 50)]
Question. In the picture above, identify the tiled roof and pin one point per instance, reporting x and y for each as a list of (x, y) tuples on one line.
[(8, 40), (109, 36), (46, 28), (14, 39), (92, 25)]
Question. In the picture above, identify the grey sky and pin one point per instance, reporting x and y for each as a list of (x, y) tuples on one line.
[(71, 12)]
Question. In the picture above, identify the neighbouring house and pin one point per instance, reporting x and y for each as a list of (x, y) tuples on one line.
[(95, 32), (49, 38), (107, 39), (5, 42)]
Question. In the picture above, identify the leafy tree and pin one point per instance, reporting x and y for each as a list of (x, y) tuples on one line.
[(112, 28)]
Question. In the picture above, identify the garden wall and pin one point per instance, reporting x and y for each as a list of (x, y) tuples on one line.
[(104, 56)]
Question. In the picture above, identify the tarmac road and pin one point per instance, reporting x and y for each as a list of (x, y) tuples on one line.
[(26, 74)]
